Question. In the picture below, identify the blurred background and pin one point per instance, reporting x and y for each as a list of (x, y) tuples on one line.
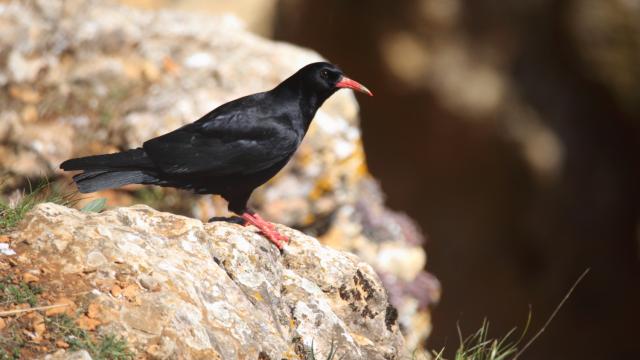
[(510, 132)]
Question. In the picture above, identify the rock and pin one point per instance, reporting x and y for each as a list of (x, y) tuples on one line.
[(116, 291), (86, 323), (38, 326), (259, 15), (29, 278), (23, 69), (62, 344), (5, 250), (75, 355), (380, 236), (69, 309), (34, 148), (227, 292), (93, 311)]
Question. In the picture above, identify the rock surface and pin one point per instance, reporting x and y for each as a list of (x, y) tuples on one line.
[(211, 291)]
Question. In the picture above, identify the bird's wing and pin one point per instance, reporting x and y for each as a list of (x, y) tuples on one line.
[(240, 142)]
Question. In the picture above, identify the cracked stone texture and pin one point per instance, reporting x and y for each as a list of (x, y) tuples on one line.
[(87, 77), (216, 290)]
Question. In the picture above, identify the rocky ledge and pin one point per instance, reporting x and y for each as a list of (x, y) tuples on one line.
[(177, 288)]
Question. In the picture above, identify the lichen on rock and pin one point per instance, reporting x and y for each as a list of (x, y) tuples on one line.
[(175, 287)]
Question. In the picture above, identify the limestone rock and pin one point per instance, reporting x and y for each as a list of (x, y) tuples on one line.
[(221, 291), (257, 14)]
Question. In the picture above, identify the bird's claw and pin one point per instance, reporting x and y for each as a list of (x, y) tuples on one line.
[(267, 229)]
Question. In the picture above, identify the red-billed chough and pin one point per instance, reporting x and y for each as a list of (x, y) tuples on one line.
[(229, 151)]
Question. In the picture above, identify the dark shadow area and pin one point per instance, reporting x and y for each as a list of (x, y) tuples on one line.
[(501, 236)]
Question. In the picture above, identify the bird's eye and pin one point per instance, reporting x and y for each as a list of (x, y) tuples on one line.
[(324, 74)]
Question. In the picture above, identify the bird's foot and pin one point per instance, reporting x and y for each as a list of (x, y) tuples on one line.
[(230, 219), (268, 229)]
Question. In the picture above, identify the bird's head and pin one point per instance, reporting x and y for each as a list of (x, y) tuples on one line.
[(325, 79)]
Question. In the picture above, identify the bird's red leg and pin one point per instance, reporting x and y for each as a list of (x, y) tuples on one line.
[(268, 229), (269, 224)]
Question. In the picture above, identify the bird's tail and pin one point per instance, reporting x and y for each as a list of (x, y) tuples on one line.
[(111, 170)]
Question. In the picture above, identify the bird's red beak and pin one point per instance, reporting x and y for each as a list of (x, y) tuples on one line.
[(345, 82)]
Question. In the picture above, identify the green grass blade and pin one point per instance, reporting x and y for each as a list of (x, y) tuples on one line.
[(95, 206)]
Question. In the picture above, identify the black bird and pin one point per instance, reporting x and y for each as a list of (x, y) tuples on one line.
[(230, 151)]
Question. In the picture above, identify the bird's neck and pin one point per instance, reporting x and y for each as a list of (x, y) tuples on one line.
[(306, 100), (309, 105)]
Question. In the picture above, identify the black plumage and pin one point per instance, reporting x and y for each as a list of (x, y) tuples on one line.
[(229, 151)]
